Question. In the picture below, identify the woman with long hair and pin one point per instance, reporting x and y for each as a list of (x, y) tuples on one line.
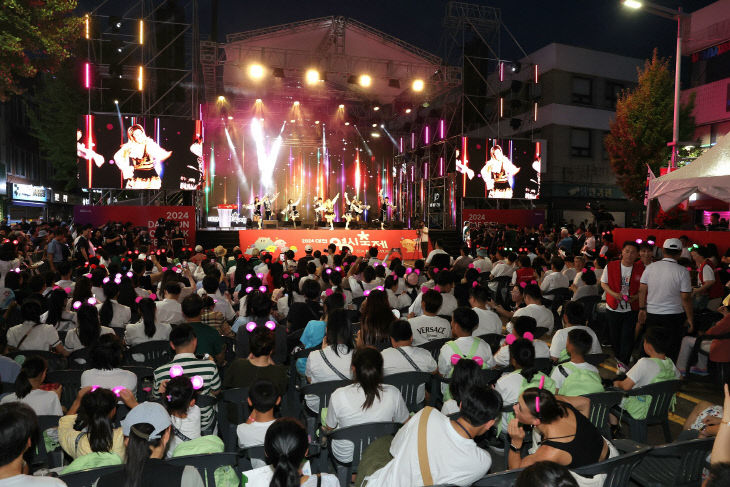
[(467, 373), (147, 329), (88, 331), (57, 315), (106, 360), (286, 445), (31, 334), (315, 330), (334, 360), (127, 293), (258, 312), (367, 400), (111, 313), (82, 291), (375, 319), (28, 389)]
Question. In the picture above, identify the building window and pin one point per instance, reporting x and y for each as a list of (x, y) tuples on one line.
[(580, 143), (613, 90), (582, 90)]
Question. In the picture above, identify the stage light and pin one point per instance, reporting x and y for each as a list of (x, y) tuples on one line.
[(375, 135), (258, 100), (256, 71), (230, 117), (141, 31), (376, 108), (86, 26), (316, 122), (221, 99), (311, 76), (365, 80), (408, 110), (347, 123), (375, 125), (382, 126), (635, 4), (296, 103), (116, 102), (341, 107), (292, 121), (140, 78), (87, 76), (418, 85)]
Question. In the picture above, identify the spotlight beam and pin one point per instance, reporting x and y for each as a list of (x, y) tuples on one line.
[(389, 136), (367, 148)]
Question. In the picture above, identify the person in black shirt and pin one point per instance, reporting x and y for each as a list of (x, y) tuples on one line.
[(301, 313), (81, 249)]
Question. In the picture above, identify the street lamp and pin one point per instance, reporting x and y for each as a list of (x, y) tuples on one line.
[(676, 15)]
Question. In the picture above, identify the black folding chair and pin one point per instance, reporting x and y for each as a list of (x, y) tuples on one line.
[(233, 410), (87, 478), (360, 436), (601, 405), (540, 331), (408, 384), (501, 295), (323, 391), (156, 353), (661, 395), (42, 455), (54, 360), (71, 382), (544, 365), (207, 464), (80, 359), (434, 346), (596, 359), (674, 465), (145, 380), (617, 470), (494, 340), (252, 453), (500, 479)]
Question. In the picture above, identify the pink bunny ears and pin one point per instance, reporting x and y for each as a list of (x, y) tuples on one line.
[(523, 284), (456, 357), (537, 398), (91, 301), (177, 371), (368, 291), (251, 326), (510, 339)]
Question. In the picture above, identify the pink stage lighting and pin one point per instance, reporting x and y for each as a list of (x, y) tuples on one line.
[(442, 129), (87, 76)]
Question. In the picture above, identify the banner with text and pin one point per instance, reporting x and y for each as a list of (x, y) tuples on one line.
[(140, 216), (513, 217), (359, 241)]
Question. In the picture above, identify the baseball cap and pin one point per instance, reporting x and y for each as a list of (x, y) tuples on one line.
[(198, 248), (673, 244), (307, 248), (148, 412), (482, 252)]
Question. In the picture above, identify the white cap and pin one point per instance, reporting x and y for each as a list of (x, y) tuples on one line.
[(147, 412), (673, 244), (307, 248)]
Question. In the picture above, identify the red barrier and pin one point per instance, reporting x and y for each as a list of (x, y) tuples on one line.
[(358, 240), (141, 216), (721, 239), (522, 218)]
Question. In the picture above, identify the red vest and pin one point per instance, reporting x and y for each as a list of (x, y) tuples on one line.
[(614, 282), (715, 290), (525, 274)]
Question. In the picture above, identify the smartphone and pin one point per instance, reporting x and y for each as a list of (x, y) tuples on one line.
[(282, 257)]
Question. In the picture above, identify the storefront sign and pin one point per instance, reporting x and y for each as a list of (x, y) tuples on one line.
[(140, 216), (28, 192)]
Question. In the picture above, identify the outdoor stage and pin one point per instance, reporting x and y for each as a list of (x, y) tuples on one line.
[(276, 240)]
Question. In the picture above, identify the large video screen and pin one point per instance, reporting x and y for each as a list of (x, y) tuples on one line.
[(500, 168), (126, 152)]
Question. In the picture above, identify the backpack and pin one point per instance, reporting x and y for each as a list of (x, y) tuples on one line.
[(469, 355), (535, 382), (579, 381), (638, 406), (225, 476)]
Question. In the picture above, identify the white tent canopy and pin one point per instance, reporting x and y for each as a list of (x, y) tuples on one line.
[(709, 174)]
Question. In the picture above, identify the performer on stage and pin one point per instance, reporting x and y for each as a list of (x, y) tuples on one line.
[(384, 209), (291, 211), (328, 209), (355, 209), (256, 207), (497, 174), (318, 209), (136, 159), (268, 200)]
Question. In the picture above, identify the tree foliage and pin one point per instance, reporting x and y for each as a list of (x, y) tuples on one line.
[(36, 36), (643, 126)]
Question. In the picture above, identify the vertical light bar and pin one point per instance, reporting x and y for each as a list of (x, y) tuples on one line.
[(501, 107), (536, 73), (89, 144), (441, 166), (426, 136), (535, 114), (140, 78), (413, 140), (442, 128), (141, 31), (501, 71), (87, 75), (464, 162), (400, 146), (87, 27)]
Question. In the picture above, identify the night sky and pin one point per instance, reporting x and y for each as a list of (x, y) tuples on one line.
[(596, 24)]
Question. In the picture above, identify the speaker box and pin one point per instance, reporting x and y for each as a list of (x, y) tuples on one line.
[(270, 224)]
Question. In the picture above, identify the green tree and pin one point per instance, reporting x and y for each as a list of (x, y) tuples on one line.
[(53, 111), (36, 36), (643, 126)]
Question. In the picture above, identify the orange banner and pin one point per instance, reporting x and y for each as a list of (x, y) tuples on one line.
[(359, 241)]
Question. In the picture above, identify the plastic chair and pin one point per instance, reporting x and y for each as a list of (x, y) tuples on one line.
[(618, 469), (323, 390), (589, 303), (71, 382), (544, 365), (145, 379), (7, 387), (408, 384), (434, 347), (43, 456), (361, 436), (80, 359), (207, 464), (540, 331), (253, 453), (494, 340), (601, 405), (557, 297), (502, 297), (156, 353), (661, 399), (87, 478), (596, 359), (120, 332), (232, 401), (54, 360), (674, 465), (500, 479)]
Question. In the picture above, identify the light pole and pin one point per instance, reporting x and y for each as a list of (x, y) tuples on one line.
[(676, 15)]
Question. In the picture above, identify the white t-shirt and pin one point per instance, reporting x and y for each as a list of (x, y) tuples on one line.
[(450, 407), (169, 311), (134, 333), (41, 337), (253, 434), (188, 426), (121, 314), (464, 344), (427, 328), (665, 280), (109, 379), (262, 476), (484, 264), (44, 403), (557, 345), (489, 322), (501, 358), (68, 320), (448, 304), (73, 342), (436, 252), (395, 363), (559, 378), (543, 316), (584, 291), (346, 409), (31, 481), (509, 386), (453, 459), (625, 283), (570, 273), (554, 280), (358, 287), (318, 371), (501, 269), (645, 370)]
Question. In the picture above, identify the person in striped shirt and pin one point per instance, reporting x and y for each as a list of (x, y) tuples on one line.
[(184, 342)]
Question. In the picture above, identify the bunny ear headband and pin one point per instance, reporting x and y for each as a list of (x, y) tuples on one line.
[(510, 339), (251, 325), (456, 357)]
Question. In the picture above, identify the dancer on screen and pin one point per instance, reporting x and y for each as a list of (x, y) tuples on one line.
[(136, 159), (87, 152), (498, 173), (291, 211)]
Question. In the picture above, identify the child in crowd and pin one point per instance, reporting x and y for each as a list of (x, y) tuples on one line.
[(577, 377), (524, 327), (179, 399), (463, 323), (28, 389), (428, 326), (262, 399), (404, 357), (573, 319), (489, 321)]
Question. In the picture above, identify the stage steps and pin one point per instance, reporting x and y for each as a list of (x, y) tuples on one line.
[(450, 239)]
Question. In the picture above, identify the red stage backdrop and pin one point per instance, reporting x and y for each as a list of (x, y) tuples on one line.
[(514, 217), (358, 240), (721, 239), (141, 216)]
